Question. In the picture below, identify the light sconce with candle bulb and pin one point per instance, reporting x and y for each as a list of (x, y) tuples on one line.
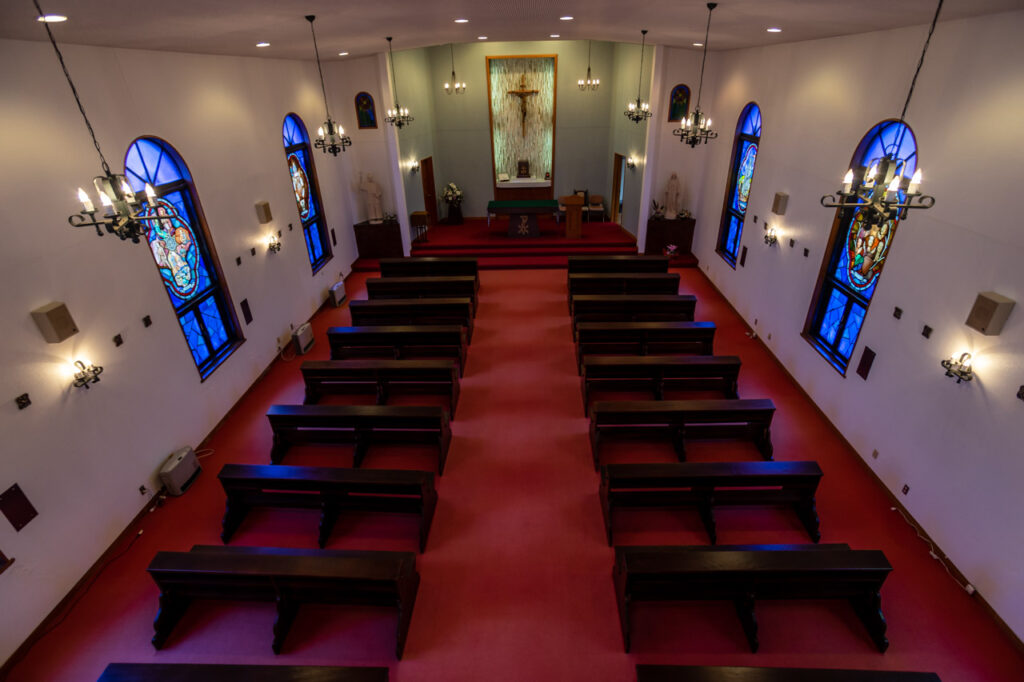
[(631, 163), (86, 374), (959, 368), (414, 166), (273, 243), (771, 235)]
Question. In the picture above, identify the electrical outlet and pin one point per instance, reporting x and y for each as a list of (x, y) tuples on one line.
[(874, 454), (143, 490), (906, 489)]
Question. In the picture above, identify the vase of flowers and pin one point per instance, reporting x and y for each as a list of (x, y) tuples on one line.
[(670, 250), (452, 196)]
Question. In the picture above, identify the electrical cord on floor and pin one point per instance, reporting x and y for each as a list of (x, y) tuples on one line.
[(966, 587), (205, 452)]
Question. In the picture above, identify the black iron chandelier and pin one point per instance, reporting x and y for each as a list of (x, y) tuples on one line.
[(588, 83), (454, 86), (883, 188), (123, 211), (639, 110), (331, 137), (696, 129), (399, 116)]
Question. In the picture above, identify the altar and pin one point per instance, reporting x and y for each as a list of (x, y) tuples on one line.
[(523, 189)]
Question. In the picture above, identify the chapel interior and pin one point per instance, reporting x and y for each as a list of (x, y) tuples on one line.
[(288, 167)]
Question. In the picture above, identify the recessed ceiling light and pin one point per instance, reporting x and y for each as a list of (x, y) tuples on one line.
[(555, 35), (565, 18), (52, 18), (462, 21), (774, 29), (343, 54), (698, 44), (481, 37), (262, 44)]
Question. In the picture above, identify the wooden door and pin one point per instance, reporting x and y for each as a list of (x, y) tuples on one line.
[(618, 163), (429, 192)]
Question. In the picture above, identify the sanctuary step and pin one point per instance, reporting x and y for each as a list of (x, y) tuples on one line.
[(715, 673), (215, 672)]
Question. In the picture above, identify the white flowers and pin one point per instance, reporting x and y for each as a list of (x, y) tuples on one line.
[(452, 194)]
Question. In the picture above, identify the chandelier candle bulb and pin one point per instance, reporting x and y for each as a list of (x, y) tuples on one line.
[(86, 201), (848, 182), (915, 182), (127, 191), (150, 194)]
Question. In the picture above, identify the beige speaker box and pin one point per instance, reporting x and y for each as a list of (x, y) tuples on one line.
[(780, 203), (54, 322), (263, 212), (989, 313)]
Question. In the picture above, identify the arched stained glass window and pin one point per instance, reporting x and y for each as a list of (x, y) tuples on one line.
[(741, 173), (858, 249), (184, 254), (307, 191)]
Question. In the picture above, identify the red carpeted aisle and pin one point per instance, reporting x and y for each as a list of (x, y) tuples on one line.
[(516, 578)]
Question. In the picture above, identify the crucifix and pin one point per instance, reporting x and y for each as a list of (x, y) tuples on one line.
[(522, 93)]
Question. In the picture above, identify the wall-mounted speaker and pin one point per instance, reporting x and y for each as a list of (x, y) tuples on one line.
[(779, 203), (54, 322), (989, 313), (263, 212)]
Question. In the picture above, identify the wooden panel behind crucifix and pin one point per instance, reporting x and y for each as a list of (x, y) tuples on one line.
[(522, 93)]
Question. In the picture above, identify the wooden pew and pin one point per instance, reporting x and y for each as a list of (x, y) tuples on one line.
[(659, 373), (332, 490), (381, 376), (743, 574), (359, 424), (399, 342), (631, 308), (618, 264), (643, 338), (623, 283), (288, 577), (707, 485), (203, 672), (423, 287), (430, 266), (682, 419), (714, 673), (415, 311)]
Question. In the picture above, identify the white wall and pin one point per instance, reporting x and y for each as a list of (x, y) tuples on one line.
[(957, 446), (81, 456), (628, 138)]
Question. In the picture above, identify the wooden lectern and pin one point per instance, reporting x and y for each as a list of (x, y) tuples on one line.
[(573, 215)]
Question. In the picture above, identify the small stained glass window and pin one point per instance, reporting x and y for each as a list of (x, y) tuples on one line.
[(741, 174)]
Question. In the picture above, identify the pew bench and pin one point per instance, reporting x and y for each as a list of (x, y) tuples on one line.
[(423, 287), (332, 490), (659, 373), (287, 577), (682, 419), (381, 376), (643, 338), (361, 425), (714, 673), (743, 574), (217, 672), (621, 263), (605, 283), (414, 311), (430, 266), (707, 485), (631, 308), (399, 342)]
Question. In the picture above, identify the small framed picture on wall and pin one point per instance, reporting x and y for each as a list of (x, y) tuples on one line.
[(678, 103), (366, 113)]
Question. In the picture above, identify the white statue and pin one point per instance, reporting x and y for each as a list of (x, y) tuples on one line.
[(672, 198), (372, 194)]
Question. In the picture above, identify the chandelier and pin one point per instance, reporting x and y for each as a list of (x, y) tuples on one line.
[(122, 210), (884, 188), (588, 83), (454, 86), (639, 110), (696, 129), (331, 137), (399, 116)]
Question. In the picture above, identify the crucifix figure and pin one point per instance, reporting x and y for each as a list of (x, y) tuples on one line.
[(522, 93)]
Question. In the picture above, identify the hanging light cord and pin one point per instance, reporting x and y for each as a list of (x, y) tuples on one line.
[(920, 63), (74, 91), (394, 81), (588, 58), (323, 88), (640, 80), (707, 32), (451, 48)]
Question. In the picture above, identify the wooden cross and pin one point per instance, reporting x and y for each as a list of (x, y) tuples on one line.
[(522, 93)]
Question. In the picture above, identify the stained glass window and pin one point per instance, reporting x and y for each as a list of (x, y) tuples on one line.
[(306, 191), (181, 248), (858, 250), (741, 174)]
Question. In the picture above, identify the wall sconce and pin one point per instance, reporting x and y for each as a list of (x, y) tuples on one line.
[(86, 375), (959, 368), (273, 244), (1020, 393), (771, 235), (414, 166), (630, 163)]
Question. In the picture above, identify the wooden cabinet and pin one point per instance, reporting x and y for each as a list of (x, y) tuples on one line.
[(379, 240), (679, 231)]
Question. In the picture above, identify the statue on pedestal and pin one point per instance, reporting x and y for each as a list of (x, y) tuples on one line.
[(672, 197), (371, 195)]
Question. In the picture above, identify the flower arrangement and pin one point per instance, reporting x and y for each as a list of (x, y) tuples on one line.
[(657, 210), (670, 249), (452, 195)]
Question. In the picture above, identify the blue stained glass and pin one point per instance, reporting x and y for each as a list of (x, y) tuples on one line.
[(732, 242), (294, 131), (833, 316), (194, 336), (317, 248), (213, 322), (744, 176), (149, 160), (309, 243), (750, 121), (851, 331), (299, 170)]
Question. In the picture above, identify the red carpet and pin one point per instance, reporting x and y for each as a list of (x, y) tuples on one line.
[(516, 578)]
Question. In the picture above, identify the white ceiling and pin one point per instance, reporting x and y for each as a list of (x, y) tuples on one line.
[(233, 27)]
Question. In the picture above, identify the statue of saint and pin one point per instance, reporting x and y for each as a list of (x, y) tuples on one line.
[(371, 195), (672, 198)]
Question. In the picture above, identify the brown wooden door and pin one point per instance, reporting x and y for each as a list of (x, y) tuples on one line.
[(617, 165), (429, 193)]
